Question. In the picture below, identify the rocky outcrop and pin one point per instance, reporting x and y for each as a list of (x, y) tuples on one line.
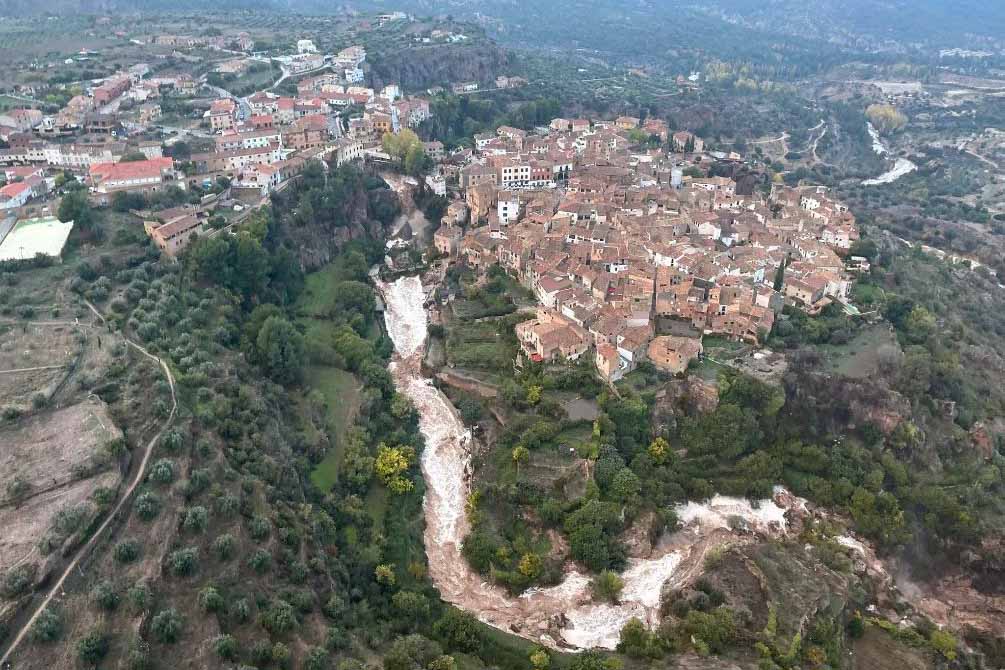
[(692, 395), (885, 410), (318, 222), (981, 438), (441, 65)]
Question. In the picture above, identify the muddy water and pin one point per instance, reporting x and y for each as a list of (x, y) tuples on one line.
[(411, 216), (558, 616)]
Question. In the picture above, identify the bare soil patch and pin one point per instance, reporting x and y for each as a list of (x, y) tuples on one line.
[(50, 462), (35, 359), (876, 650)]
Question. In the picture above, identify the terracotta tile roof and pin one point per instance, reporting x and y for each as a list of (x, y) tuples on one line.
[(131, 169)]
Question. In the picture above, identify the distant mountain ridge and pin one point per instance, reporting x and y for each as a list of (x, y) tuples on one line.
[(57, 7), (857, 23), (947, 22)]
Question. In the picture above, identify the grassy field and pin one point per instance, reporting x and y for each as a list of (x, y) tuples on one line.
[(859, 358), (721, 345), (706, 370), (339, 387), (575, 434), (487, 345), (317, 294), (342, 399)]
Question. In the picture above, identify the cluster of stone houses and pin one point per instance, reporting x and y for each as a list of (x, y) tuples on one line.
[(260, 142), (89, 129), (621, 240), (281, 134)]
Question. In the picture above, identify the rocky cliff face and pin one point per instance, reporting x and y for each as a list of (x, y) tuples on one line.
[(318, 222), (424, 67)]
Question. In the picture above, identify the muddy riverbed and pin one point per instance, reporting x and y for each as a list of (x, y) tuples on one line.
[(562, 616)]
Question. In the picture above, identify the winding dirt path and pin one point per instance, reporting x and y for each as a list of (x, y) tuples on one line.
[(983, 159), (18, 636), (36, 369), (781, 138)]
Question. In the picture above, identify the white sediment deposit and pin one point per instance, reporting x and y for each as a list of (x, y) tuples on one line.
[(559, 616), (901, 166)]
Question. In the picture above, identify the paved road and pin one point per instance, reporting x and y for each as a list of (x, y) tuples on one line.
[(57, 587), (287, 74)]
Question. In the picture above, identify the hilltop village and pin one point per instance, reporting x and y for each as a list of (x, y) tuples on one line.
[(637, 240), (634, 254)]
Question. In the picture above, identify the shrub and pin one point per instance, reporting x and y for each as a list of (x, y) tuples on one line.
[(638, 641), (228, 505), (260, 561), (471, 410), (210, 600), (413, 606), (183, 562), (410, 652), (162, 472), (261, 652), (127, 551), (280, 654), (225, 647), (92, 647), (106, 595), (18, 580), (166, 626), (539, 659), (335, 607), (317, 659), (856, 626), (103, 497), (147, 506), (943, 642), (48, 627), (259, 527), (196, 519), (336, 639), (223, 546), (138, 655), (241, 610), (172, 440), (280, 618), (607, 586), (458, 630), (198, 482), (303, 601), (17, 488), (139, 596)]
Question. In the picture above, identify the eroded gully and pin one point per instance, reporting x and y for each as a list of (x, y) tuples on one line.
[(561, 616)]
